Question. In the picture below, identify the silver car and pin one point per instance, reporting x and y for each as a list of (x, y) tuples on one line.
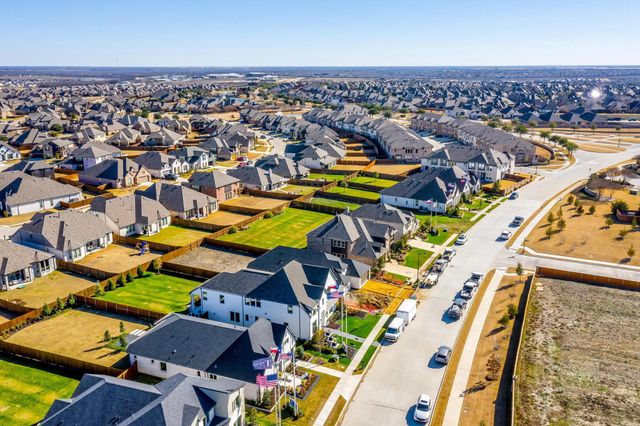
[(443, 355)]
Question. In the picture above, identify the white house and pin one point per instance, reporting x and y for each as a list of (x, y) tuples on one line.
[(20, 265), (22, 193), (132, 214)]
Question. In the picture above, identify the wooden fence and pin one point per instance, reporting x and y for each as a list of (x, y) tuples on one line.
[(189, 270), (382, 175), (84, 270), (211, 227), (133, 241), (588, 278), (15, 308), (343, 197), (308, 182), (84, 201), (317, 207), (236, 246), (119, 308), (270, 194)]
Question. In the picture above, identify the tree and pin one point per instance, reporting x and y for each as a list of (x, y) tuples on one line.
[(122, 329), (504, 320), (580, 209), (496, 187), (576, 203), (553, 126), (71, 300), (144, 113), (99, 291), (560, 213), (549, 232), (562, 224), (252, 417), (608, 222), (57, 127), (387, 114), (111, 285), (129, 277), (545, 134), (122, 341), (521, 129), (519, 270), (634, 223), (157, 116), (550, 218), (107, 336), (140, 272), (631, 251), (570, 199), (512, 310), (619, 205), (120, 282), (592, 209), (571, 147), (46, 310), (59, 304)]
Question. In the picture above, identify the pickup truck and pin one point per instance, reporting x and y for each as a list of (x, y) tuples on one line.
[(440, 265), (468, 290), (457, 309), (449, 253)]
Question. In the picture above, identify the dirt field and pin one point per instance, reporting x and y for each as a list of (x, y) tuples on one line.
[(396, 294), (117, 258), (47, 289), (488, 401), (78, 333), (586, 235), (256, 202), (394, 169), (580, 361), (224, 218), (349, 167), (215, 259)]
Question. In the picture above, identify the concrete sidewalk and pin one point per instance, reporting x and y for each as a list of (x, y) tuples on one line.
[(349, 382), (456, 398), (320, 369)]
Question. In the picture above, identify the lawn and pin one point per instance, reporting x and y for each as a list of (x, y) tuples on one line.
[(157, 292), (117, 258), (334, 203), (287, 229), (327, 177), (47, 289), (416, 257), (453, 225), (177, 236), (369, 195), (311, 406), (224, 218), (360, 326), (365, 359), (382, 183), (79, 333), (27, 391), (299, 189)]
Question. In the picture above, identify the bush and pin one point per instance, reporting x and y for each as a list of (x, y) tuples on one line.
[(268, 215), (120, 282), (99, 291), (129, 277), (512, 310), (580, 209), (59, 305), (592, 209), (107, 336), (618, 205), (46, 310), (561, 225), (110, 285), (343, 184), (549, 232), (623, 233), (570, 199), (504, 320), (550, 218), (140, 272), (71, 301), (233, 230)]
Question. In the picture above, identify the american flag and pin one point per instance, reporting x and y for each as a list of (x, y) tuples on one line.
[(287, 355), (268, 381), (336, 294)]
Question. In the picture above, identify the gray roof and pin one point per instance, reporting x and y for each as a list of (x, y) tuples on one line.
[(241, 282), (176, 401), (177, 198), (214, 179), (432, 184), (209, 346), (21, 188), (14, 257), (459, 153), (130, 209), (256, 176), (154, 160), (96, 150), (282, 166), (112, 169), (29, 166)]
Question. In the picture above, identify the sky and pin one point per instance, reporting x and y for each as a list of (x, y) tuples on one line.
[(319, 33)]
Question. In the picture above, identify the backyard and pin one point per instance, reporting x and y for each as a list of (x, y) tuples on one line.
[(334, 203), (257, 203), (382, 183), (117, 258), (352, 192), (289, 228), (79, 333), (47, 289), (177, 235), (156, 292), (27, 390), (394, 169), (224, 218), (325, 176), (215, 259), (299, 189)]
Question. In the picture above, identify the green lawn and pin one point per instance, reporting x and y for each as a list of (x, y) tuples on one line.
[(287, 229), (327, 177), (369, 195), (382, 183), (176, 235), (361, 326), (334, 203), (27, 391), (365, 359), (454, 225), (478, 203), (161, 293), (395, 277), (416, 257)]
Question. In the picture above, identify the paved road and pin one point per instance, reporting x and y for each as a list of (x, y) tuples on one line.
[(405, 369)]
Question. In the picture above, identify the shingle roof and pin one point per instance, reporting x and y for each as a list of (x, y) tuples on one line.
[(177, 198), (14, 257), (21, 188), (214, 179), (130, 209)]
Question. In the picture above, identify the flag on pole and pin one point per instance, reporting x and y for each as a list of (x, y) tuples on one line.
[(268, 381), (335, 294), (262, 363), (287, 355), (274, 351)]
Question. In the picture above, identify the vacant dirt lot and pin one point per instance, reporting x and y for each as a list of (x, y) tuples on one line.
[(260, 203), (79, 333), (394, 169), (587, 236), (580, 361), (223, 218), (215, 259), (117, 258), (47, 289)]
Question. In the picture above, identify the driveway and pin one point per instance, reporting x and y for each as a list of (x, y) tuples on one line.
[(406, 368)]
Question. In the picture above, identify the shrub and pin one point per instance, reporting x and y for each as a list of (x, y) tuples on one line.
[(579, 209), (107, 336), (550, 218), (608, 222), (122, 342), (634, 223), (233, 230), (120, 282), (122, 329), (268, 215), (512, 310), (504, 320), (561, 225), (140, 272), (559, 214), (570, 199), (46, 310), (71, 301), (252, 417), (343, 184), (111, 285), (59, 304), (619, 205), (623, 233), (631, 252), (129, 277), (99, 291), (549, 232), (157, 265), (493, 367), (592, 209)]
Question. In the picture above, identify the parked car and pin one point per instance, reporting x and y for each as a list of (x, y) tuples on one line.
[(506, 234), (430, 280), (449, 253), (517, 221), (242, 158), (514, 195), (443, 355), (468, 290), (462, 238), (422, 412), (476, 277), (394, 330), (457, 309), (440, 265)]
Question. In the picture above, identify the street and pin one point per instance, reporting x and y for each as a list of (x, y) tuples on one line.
[(405, 369)]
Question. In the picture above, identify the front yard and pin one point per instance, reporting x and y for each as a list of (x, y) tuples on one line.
[(177, 235), (156, 292), (289, 228), (360, 326), (416, 257)]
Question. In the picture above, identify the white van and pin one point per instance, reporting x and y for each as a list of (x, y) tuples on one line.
[(394, 330), (407, 310)]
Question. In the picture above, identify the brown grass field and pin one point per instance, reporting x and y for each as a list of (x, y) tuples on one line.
[(47, 289), (78, 333), (224, 218), (117, 258), (214, 259), (586, 235), (256, 202), (394, 169)]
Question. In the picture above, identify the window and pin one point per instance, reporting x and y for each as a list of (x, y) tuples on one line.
[(198, 374), (338, 243), (204, 295), (222, 299), (289, 309), (163, 366), (246, 317), (234, 316), (253, 302)]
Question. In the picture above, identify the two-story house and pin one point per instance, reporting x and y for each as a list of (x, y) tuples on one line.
[(160, 164), (486, 164), (132, 214), (215, 183)]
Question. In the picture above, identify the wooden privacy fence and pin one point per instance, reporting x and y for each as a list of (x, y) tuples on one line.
[(84, 270), (119, 308), (211, 227), (270, 194), (320, 208), (344, 197), (32, 315), (236, 246), (189, 270), (133, 241), (84, 202), (58, 360), (308, 182), (382, 176), (16, 308), (588, 278)]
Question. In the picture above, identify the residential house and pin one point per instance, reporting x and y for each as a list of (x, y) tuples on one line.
[(89, 134), (125, 137), (21, 193), (283, 166), (177, 401), (486, 164), (198, 347), (34, 168), (57, 148), (257, 178), (7, 152), (163, 137), (89, 155), (215, 183), (404, 222), (219, 149), (436, 190), (132, 214), (20, 265), (352, 273), (160, 164), (196, 158), (182, 201), (70, 235), (29, 138), (117, 172)]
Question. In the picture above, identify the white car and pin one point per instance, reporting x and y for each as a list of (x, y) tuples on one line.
[(505, 235), (462, 238), (422, 412), (449, 253)]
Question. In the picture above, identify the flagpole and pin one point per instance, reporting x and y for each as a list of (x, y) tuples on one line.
[(295, 400)]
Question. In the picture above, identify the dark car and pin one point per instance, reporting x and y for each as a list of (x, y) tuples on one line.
[(514, 195)]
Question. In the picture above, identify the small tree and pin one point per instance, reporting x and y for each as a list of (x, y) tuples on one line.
[(631, 251), (71, 300), (560, 213), (121, 281), (233, 230), (570, 199), (549, 232), (512, 310), (268, 215), (252, 417), (129, 277), (59, 305), (122, 329), (140, 272), (623, 233), (562, 224), (608, 222), (504, 320), (519, 270), (122, 342), (111, 285), (592, 209), (634, 223), (580, 209), (496, 187), (99, 291), (107, 336), (46, 310), (618, 205), (550, 218), (157, 263), (576, 203)]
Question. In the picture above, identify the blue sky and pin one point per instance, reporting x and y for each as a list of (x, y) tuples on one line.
[(320, 33)]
